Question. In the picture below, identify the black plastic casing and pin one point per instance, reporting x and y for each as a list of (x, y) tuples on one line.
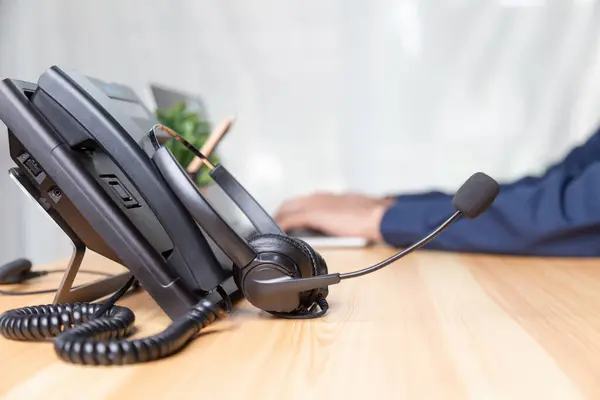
[(90, 142)]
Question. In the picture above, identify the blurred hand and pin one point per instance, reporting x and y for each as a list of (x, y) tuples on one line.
[(335, 215)]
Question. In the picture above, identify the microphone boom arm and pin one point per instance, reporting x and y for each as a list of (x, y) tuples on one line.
[(404, 252), (287, 284)]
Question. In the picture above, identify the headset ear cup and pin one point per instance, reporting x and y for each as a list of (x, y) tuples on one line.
[(309, 263)]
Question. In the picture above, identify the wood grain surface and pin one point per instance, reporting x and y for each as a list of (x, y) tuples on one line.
[(433, 326)]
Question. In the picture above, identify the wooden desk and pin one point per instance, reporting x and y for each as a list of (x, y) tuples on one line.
[(433, 326)]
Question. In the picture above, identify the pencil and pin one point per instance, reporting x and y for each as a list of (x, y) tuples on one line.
[(210, 145)]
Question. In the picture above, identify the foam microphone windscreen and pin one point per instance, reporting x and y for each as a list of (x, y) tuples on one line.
[(476, 195)]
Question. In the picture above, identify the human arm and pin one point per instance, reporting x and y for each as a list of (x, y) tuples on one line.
[(556, 213)]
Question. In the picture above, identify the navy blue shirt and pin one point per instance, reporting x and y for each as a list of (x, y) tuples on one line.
[(555, 214)]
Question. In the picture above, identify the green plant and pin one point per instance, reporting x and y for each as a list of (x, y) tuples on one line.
[(193, 129)]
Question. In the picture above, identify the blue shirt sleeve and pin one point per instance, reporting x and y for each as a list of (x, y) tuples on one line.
[(555, 214)]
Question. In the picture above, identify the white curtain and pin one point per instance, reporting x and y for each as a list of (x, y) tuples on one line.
[(371, 96)]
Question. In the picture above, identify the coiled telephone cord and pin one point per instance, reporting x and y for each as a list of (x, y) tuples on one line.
[(95, 334)]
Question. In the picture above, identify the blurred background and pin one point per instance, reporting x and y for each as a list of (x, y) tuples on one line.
[(377, 97)]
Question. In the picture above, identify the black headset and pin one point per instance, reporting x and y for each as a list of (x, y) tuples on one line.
[(264, 265), (278, 274)]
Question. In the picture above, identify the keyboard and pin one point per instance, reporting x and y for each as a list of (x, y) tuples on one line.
[(318, 239)]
